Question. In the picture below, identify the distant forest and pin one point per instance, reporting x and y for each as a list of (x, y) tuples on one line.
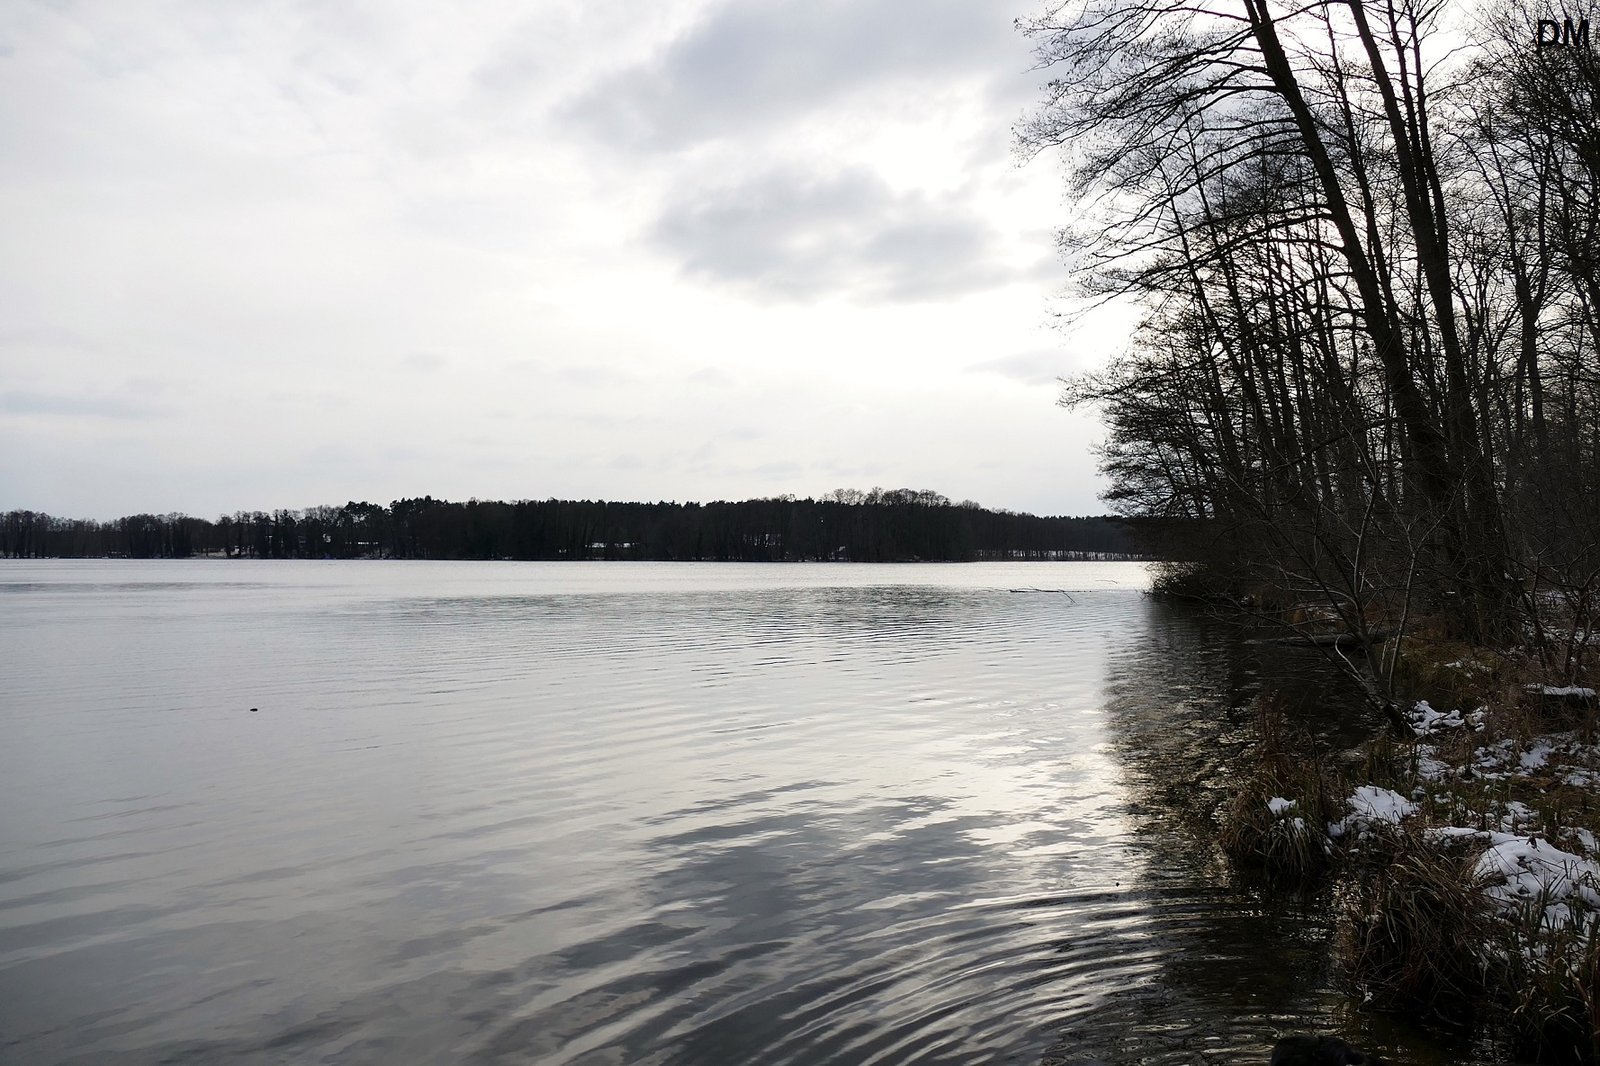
[(847, 525)]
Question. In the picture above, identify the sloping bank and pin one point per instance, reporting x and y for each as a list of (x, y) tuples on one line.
[(1464, 857)]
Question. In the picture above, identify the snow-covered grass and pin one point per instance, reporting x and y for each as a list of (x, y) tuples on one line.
[(1548, 956), (1463, 845), (1372, 805), (1571, 692), (1467, 858), (1470, 865), (1426, 721), (1520, 871)]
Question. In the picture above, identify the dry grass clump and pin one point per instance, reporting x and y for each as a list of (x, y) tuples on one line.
[(1187, 581), (1387, 761), (1412, 922), (1550, 978), (1288, 844), (1449, 673)]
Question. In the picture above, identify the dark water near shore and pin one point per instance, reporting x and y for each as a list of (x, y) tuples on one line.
[(630, 813)]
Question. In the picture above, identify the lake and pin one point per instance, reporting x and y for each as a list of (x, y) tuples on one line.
[(542, 813)]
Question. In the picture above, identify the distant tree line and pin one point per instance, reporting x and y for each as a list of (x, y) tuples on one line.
[(844, 525)]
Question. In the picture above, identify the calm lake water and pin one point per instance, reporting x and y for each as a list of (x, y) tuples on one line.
[(629, 813)]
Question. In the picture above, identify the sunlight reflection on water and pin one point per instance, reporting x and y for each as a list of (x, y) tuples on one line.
[(585, 813)]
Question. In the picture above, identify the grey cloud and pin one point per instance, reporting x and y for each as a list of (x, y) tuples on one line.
[(422, 362), (767, 474), (710, 375), (146, 385), (778, 470), (41, 338), (57, 404), (1042, 367), (538, 417), (705, 455), (791, 235), (581, 375), (589, 375), (751, 63)]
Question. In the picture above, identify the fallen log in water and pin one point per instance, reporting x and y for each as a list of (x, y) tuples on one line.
[(1335, 640), (1574, 695)]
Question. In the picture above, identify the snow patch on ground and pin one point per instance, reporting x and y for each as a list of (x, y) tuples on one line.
[(1380, 804), (1491, 761), (1584, 839), (1537, 757), (1278, 806), (1371, 805), (1425, 721), (1582, 778), (1564, 755), (1430, 767), (1518, 815), (1521, 870)]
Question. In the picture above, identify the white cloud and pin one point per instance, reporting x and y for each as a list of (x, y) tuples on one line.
[(281, 254)]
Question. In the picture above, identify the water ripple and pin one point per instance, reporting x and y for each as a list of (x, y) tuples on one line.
[(574, 814)]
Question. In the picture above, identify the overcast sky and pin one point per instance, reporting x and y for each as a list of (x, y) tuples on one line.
[(265, 254)]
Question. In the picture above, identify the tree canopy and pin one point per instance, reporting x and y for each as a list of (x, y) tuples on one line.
[(1364, 243)]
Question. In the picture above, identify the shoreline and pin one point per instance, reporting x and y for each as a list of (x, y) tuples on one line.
[(1061, 557), (1463, 854)]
